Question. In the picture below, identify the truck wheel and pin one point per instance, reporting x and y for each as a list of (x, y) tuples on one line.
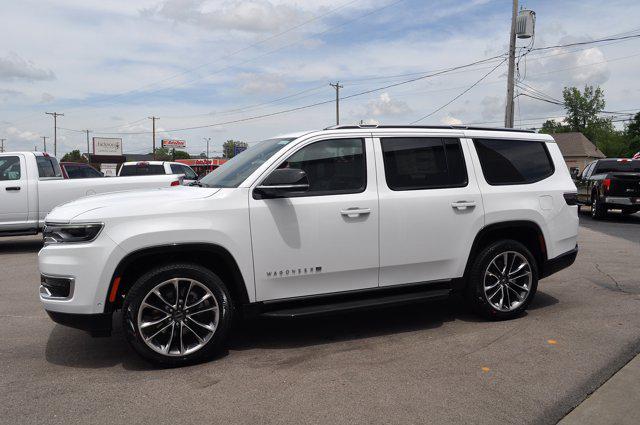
[(503, 280), (177, 314), (598, 209)]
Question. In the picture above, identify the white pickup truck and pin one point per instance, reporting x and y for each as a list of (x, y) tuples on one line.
[(31, 185)]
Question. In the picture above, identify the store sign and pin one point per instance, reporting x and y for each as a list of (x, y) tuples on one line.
[(109, 170), (174, 144), (107, 146)]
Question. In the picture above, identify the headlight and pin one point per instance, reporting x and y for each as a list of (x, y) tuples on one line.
[(70, 233)]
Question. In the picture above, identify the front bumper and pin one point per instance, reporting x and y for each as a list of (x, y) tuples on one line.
[(622, 201), (96, 324), (562, 261)]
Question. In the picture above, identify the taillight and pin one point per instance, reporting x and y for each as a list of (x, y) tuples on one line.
[(571, 198), (175, 183), (606, 184)]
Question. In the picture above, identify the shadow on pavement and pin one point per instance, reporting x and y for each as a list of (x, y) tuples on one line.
[(73, 348), (610, 225)]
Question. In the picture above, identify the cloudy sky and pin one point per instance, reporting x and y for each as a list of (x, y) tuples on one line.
[(108, 65)]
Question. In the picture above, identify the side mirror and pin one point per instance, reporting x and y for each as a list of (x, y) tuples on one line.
[(282, 183)]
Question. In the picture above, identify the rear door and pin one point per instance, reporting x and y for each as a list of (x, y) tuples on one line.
[(430, 207), (326, 239), (14, 201)]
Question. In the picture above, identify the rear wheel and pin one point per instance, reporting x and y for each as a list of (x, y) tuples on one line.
[(177, 314), (503, 280)]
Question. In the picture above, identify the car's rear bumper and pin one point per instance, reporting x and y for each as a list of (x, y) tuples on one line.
[(558, 263), (622, 201), (96, 324)]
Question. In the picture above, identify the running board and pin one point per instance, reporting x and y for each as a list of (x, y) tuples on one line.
[(338, 306)]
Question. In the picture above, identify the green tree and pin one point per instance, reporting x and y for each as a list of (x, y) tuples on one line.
[(73, 156), (583, 107), (632, 133), (163, 154), (551, 127), (229, 147)]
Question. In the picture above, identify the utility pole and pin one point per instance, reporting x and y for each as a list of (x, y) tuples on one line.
[(153, 120), (207, 139), (55, 116), (88, 149), (44, 143), (337, 86), (508, 114), (2, 145)]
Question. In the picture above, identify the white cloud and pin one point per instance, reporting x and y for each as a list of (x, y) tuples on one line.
[(261, 83), (492, 108), (23, 135), (385, 106), (449, 120), (47, 97), (14, 67)]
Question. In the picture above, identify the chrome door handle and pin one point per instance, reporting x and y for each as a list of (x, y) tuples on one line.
[(463, 205), (355, 211)]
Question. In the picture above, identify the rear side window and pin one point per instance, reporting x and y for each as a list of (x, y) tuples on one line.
[(9, 168), (47, 167), (513, 161), (142, 170), (413, 163), (81, 172)]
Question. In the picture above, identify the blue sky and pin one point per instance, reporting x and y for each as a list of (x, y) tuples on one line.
[(109, 65)]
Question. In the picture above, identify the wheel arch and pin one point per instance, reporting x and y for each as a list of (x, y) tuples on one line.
[(214, 257), (526, 232)]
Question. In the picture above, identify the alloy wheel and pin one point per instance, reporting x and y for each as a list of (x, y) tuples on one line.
[(178, 317), (507, 281)]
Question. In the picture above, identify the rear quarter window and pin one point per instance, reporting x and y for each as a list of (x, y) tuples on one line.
[(142, 170), (509, 162)]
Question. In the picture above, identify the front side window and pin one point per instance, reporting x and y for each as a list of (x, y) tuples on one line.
[(413, 163), (47, 167), (513, 161), (335, 166), (10, 168), (189, 174)]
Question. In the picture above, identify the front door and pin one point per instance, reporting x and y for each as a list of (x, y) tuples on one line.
[(324, 240), (430, 208), (14, 205)]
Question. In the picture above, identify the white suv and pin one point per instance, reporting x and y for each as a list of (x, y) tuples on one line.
[(314, 223), (149, 168)]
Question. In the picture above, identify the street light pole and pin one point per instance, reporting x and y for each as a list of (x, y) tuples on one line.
[(508, 114)]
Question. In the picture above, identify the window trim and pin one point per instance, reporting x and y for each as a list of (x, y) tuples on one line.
[(446, 158), (326, 192), (544, 146)]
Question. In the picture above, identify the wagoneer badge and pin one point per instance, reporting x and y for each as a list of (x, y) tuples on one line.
[(295, 272)]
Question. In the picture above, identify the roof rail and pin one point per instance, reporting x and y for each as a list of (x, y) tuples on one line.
[(432, 127)]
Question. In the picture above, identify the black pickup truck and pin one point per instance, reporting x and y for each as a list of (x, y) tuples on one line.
[(610, 184)]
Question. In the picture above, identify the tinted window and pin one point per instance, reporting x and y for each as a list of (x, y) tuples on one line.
[(513, 161), (189, 174), (47, 167), (615, 165), (333, 166), (81, 172), (9, 168), (142, 169), (412, 163), (176, 169)]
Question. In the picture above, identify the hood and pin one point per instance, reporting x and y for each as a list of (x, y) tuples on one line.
[(128, 200)]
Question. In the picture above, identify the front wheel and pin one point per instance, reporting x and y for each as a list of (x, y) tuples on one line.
[(177, 314), (503, 280)]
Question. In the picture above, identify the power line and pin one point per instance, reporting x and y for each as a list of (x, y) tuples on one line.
[(582, 43), (459, 95)]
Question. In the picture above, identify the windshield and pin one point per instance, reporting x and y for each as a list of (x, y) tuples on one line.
[(612, 166), (233, 172)]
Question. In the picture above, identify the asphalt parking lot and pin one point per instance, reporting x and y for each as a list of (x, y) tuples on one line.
[(426, 363)]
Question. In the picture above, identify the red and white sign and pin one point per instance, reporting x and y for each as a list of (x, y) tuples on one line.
[(174, 144)]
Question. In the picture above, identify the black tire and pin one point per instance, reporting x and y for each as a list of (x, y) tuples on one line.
[(476, 297), (598, 209), (188, 272)]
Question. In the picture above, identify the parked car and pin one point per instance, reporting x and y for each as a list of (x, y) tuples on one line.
[(610, 184), (79, 170), (314, 223), (31, 184), (148, 168)]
